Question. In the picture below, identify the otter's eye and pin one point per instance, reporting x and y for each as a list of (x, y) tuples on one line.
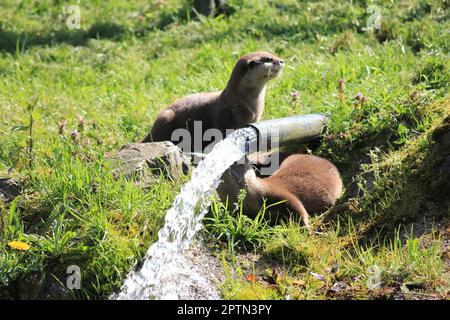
[(254, 63), (266, 59)]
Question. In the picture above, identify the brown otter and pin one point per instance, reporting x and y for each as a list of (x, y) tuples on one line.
[(240, 103), (307, 183)]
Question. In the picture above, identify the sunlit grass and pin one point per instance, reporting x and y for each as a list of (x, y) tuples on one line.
[(130, 59)]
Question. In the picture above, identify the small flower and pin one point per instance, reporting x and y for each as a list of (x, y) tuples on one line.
[(61, 125), (251, 278), (341, 83), (75, 135), (317, 276), (295, 95), (19, 245), (80, 122), (360, 99)]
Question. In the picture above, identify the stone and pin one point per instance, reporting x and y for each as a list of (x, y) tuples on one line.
[(148, 161), (9, 189)]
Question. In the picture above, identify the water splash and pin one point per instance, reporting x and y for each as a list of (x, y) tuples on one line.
[(166, 272)]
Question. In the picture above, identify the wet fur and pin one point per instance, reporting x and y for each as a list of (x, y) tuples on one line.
[(307, 184)]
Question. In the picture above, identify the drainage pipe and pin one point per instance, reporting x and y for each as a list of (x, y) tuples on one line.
[(275, 132)]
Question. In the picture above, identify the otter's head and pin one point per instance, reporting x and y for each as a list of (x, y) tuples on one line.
[(255, 69), (263, 65), (242, 176)]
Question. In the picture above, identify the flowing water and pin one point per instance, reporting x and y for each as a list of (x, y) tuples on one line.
[(166, 272)]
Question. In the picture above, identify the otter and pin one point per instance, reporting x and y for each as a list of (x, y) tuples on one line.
[(307, 184), (239, 104)]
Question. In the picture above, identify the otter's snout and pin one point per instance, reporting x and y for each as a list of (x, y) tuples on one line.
[(277, 67)]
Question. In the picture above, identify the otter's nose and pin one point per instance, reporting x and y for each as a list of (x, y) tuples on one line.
[(281, 62)]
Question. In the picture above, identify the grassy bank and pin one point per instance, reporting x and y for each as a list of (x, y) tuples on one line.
[(130, 59)]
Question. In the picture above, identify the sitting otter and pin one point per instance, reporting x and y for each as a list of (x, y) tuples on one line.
[(240, 103), (307, 183)]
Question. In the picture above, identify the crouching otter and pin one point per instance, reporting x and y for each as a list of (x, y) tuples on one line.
[(307, 184), (239, 104)]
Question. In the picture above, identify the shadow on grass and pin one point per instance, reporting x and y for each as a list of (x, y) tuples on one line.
[(415, 190), (13, 42)]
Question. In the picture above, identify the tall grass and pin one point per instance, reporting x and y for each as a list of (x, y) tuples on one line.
[(130, 59)]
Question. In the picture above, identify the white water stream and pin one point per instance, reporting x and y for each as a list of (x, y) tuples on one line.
[(166, 272)]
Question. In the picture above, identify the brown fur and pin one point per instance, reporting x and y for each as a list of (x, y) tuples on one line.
[(240, 103), (307, 183)]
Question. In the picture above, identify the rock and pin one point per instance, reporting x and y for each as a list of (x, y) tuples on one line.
[(147, 161), (194, 157), (33, 286), (9, 189), (205, 7)]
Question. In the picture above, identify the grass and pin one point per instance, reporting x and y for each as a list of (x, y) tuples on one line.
[(235, 228), (130, 59)]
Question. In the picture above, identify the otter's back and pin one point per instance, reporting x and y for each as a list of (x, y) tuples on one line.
[(314, 180)]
